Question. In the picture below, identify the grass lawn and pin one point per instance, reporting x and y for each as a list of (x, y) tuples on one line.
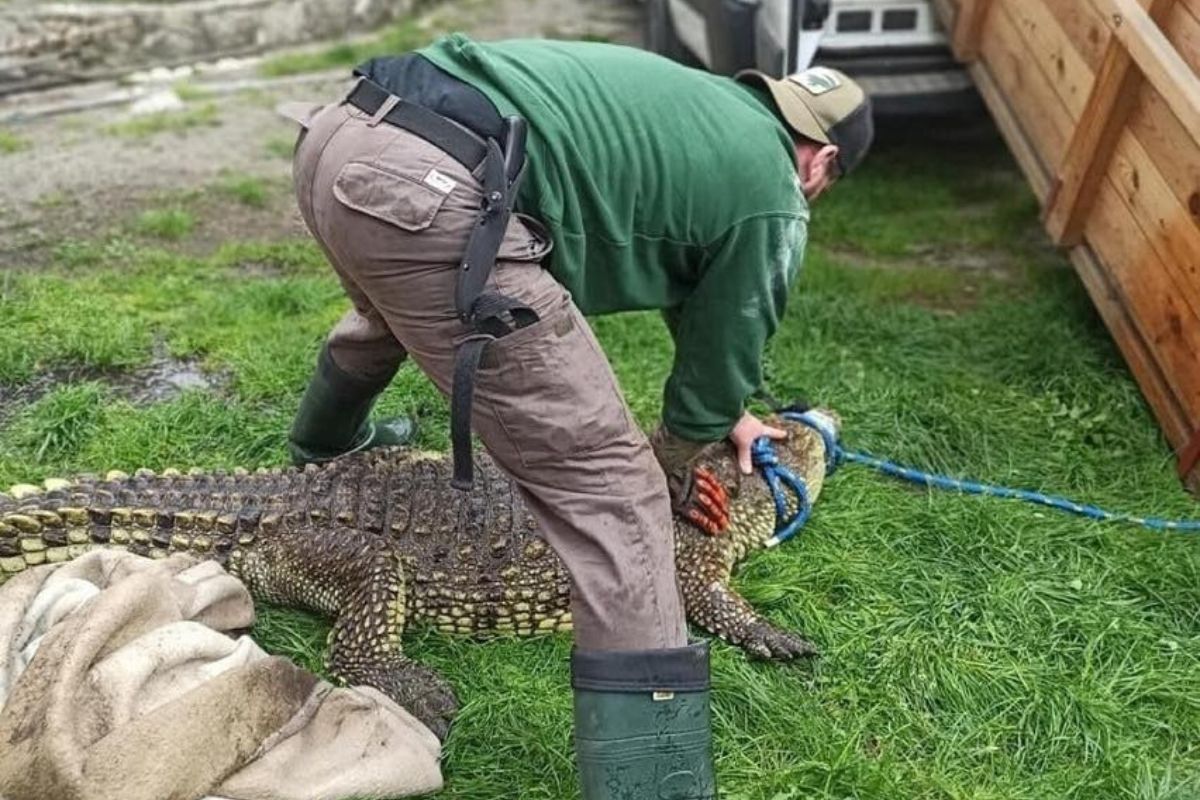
[(971, 648)]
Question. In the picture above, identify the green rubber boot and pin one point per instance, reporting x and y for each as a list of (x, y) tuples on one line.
[(642, 724), (333, 416)]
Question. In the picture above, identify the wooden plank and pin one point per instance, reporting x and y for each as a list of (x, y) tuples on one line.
[(1161, 65), (1168, 226), (1010, 128), (968, 28), (1037, 71), (1168, 328), (1088, 33), (1172, 148), (1167, 409), (1100, 124), (1084, 27), (1182, 28), (1042, 116), (1047, 43)]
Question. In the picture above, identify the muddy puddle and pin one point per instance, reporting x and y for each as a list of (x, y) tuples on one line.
[(163, 379)]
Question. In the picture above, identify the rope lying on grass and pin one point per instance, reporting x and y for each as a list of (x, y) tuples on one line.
[(782, 479)]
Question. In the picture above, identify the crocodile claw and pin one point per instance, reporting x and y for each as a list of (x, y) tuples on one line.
[(419, 690), (766, 641), (429, 698)]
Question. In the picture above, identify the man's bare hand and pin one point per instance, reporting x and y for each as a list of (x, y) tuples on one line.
[(748, 429)]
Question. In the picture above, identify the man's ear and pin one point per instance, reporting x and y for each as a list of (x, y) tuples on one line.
[(822, 170)]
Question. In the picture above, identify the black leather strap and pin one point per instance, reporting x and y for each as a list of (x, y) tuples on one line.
[(462, 396), (466, 148), (490, 315)]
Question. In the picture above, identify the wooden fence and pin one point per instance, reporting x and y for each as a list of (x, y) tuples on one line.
[(1099, 101)]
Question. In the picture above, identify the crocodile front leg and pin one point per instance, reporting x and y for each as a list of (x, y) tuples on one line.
[(720, 610), (365, 649), (713, 605), (357, 579)]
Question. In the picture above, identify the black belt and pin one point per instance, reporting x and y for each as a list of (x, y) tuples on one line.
[(490, 315), (465, 148)]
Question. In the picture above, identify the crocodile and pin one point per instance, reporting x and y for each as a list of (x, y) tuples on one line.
[(377, 540)]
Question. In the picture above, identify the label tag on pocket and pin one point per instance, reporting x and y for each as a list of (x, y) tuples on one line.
[(443, 183)]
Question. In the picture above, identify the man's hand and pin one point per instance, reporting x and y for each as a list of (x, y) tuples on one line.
[(748, 429)]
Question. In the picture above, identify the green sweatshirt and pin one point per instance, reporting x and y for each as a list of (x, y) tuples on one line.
[(663, 188)]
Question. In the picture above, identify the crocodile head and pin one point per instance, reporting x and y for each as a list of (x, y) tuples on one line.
[(752, 506)]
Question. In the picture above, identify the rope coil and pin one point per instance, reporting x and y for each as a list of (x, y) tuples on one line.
[(780, 479)]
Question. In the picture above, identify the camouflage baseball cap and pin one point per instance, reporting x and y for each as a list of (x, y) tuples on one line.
[(824, 105)]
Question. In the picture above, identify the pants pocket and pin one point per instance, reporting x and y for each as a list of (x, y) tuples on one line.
[(399, 199), (552, 390)]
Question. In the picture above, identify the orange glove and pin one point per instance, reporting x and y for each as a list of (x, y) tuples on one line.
[(704, 502), (696, 493)]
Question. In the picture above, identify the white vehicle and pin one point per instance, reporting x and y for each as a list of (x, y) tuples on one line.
[(895, 48)]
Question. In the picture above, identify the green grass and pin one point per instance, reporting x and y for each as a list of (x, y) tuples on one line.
[(280, 146), (189, 91), (398, 38), (245, 189), (972, 649), (179, 122), (11, 142), (169, 224)]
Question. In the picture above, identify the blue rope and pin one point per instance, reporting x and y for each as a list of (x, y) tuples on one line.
[(779, 476)]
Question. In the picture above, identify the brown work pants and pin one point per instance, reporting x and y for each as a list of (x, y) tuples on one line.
[(392, 213)]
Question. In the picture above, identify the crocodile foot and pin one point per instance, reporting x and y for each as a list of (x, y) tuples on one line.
[(418, 689), (764, 640)]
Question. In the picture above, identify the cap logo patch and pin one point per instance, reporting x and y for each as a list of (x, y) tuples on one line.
[(817, 81)]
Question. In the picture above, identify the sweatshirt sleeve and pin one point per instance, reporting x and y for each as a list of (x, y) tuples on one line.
[(722, 328)]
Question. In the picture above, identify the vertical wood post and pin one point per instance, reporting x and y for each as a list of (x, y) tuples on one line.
[(1097, 131)]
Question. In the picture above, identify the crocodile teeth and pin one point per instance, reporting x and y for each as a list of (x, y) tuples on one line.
[(22, 490), (241, 472), (56, 484), (116, 475), (171, 472), (145, 473)]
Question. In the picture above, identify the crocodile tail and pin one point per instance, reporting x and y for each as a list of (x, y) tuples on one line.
[(200, 489), (31, 535)]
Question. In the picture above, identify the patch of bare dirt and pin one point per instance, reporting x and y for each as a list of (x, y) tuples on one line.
[(80, 176), (163, 379), (72, 186)]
